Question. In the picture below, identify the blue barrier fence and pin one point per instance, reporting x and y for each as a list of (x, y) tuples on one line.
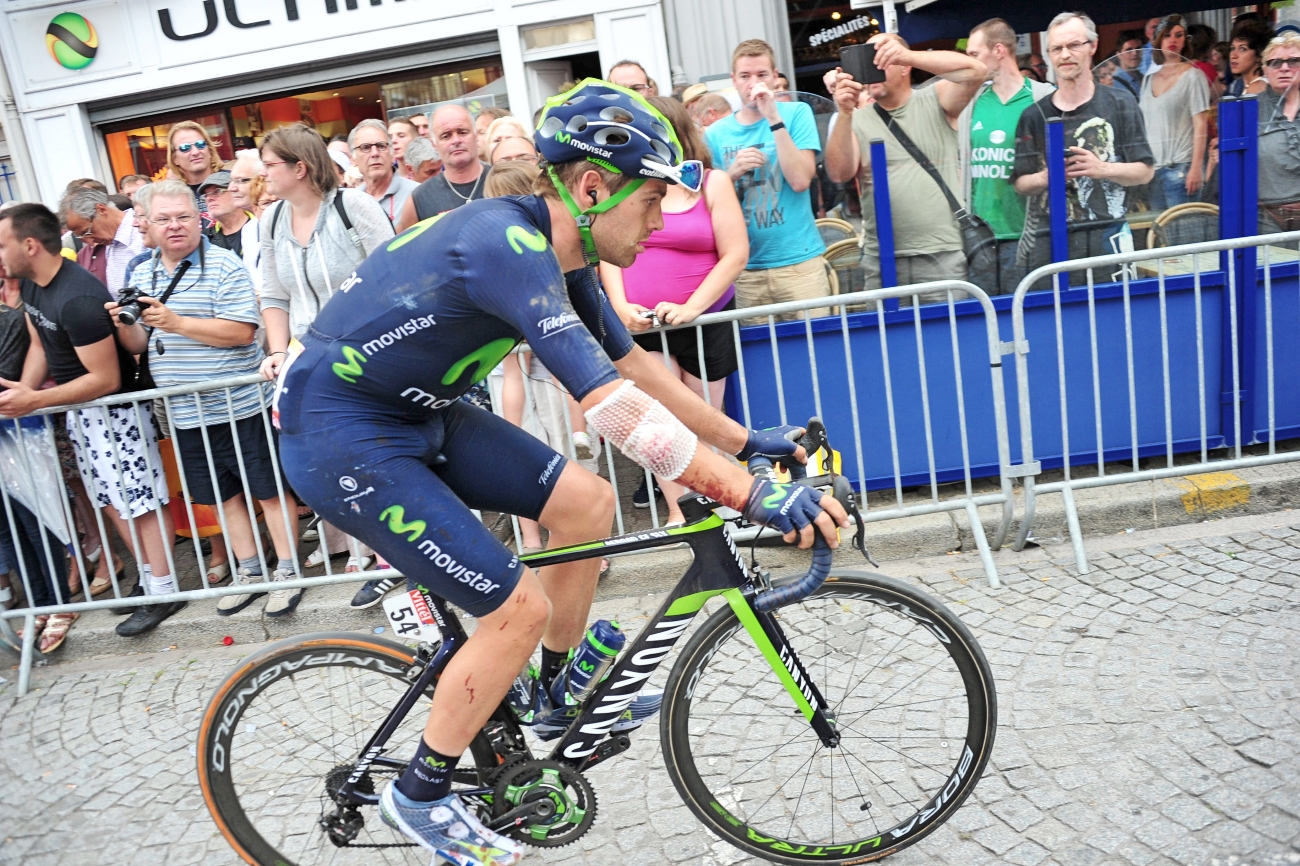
[(1206, 347)]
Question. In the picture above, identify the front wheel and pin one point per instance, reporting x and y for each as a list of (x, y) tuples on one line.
[(911, 696)]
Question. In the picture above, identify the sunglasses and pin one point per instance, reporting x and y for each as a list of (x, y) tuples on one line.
[(690, 174), (1279, 62), (186, 148)]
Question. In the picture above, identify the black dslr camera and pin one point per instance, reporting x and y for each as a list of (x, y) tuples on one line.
[(128, 305), (128, 301)]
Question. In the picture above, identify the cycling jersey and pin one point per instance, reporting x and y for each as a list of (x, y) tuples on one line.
[(375, 437), (436, 309)]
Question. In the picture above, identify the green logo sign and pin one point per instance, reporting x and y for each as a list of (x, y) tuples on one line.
[(395, 516), (71, 40), (352, 369)]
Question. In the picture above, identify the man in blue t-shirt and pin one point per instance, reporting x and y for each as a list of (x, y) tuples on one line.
[(770, 150)]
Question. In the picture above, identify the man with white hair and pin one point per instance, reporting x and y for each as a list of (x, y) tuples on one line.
[(89, 215), (205, 328), (422, 158), (461, 179), (372, 154), (1106, 150)]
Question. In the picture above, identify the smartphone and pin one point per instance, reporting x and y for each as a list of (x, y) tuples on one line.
[(860, 62)]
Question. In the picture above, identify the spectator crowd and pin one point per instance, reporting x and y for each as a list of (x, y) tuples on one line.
[(217, 269)]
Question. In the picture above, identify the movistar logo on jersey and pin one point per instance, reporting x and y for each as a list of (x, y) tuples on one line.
[(405, 329), (351, 371), (564, 138), (474, 579), (395, 517), (486, 357), (534, 240), (555, 324), (430, 401)]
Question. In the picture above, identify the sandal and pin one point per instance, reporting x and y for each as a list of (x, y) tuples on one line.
[(217, 573), (7, 601), (39, 622), (56, 631), (100, 585), (316, 558), (356, 565)]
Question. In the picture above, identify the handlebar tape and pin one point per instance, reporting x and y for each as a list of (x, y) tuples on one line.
[(801, 588)]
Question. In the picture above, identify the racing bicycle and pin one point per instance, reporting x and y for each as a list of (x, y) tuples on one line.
[(837, 717)]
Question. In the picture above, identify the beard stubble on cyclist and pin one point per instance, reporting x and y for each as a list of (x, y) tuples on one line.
[(620, 231)]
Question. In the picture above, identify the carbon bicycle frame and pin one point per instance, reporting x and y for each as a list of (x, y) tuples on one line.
[(716, 570)]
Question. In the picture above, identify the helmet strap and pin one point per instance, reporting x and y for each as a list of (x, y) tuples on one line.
[(584, 218)]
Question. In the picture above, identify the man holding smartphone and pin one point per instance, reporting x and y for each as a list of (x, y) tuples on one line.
[(1106, 150), (927, 241), (770, 149)]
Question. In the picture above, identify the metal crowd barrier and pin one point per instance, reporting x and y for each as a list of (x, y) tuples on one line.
[(1172, 364), (31, 477), (838, 384)]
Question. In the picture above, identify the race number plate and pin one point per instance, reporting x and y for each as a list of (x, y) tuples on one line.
[(411, 617)]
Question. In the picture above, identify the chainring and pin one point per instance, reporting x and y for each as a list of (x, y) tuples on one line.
[(569, 790)]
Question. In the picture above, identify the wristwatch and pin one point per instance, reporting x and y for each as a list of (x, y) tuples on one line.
[(778, 125)]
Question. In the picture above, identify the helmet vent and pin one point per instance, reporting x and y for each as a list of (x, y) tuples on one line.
[(612, 136), (551, 126), (617, 114), (577, 123), (663, 151)]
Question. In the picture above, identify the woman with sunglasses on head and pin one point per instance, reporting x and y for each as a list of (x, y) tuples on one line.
[(1279, 137), (1175, 105), (687, 269), (191, 158)]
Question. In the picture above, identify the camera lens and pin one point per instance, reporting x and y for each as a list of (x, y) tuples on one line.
[(129, 314)]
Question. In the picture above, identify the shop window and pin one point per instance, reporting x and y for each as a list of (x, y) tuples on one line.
[(559, 34), (141, 147)]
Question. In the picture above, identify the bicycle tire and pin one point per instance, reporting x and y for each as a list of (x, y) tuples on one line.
[(722, 690), (224, 763)]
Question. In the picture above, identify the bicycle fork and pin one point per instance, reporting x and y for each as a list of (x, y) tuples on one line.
[(770, 639)]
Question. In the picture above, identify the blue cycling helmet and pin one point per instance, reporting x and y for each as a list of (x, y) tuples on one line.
[(611, 127)]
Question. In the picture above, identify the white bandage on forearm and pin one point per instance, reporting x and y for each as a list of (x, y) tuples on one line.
[(644, 430)]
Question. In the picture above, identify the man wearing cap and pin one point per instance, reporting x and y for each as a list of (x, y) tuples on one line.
[(234, 228)]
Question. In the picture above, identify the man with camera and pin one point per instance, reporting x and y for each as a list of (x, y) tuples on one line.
[(190, 312), (72, 342), (927, 241)]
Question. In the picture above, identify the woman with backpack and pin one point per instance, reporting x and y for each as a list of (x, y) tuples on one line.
[(313, 238)]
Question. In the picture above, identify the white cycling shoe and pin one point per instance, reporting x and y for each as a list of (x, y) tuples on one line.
[(448, 829)]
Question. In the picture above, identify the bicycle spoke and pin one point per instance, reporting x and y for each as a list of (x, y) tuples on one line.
[(802, 788)]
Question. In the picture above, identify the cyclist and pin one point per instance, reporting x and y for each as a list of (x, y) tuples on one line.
[(377, 441)]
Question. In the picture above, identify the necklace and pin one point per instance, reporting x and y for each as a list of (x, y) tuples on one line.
[(466, 198)]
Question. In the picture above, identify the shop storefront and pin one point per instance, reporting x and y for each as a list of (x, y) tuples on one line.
[(97, 84)]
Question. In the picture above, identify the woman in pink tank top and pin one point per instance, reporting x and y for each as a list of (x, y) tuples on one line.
[(686, 270)]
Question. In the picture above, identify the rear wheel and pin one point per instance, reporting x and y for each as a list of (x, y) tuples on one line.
[(912, 698), (282, 733)]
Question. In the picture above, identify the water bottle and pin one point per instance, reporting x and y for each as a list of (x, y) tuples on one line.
[(588, 663)]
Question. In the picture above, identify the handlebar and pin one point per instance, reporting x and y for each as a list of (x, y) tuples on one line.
[(798, 590)]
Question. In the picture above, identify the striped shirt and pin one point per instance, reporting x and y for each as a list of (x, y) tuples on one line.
[(216, 286), (127, 244)]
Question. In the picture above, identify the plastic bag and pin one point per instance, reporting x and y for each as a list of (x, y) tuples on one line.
[(29, 471)]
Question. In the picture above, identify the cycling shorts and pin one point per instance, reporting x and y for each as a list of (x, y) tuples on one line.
[(406, 489)]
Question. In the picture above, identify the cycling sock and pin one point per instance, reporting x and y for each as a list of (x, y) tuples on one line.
[(428, 776), (253, 564), (552, 663)]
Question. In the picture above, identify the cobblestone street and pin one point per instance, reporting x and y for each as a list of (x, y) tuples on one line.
[(1149, 715)]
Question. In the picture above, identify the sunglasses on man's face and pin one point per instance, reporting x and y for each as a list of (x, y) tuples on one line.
[(186, 148)]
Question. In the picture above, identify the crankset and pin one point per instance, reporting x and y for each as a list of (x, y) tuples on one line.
[(543, 803)]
